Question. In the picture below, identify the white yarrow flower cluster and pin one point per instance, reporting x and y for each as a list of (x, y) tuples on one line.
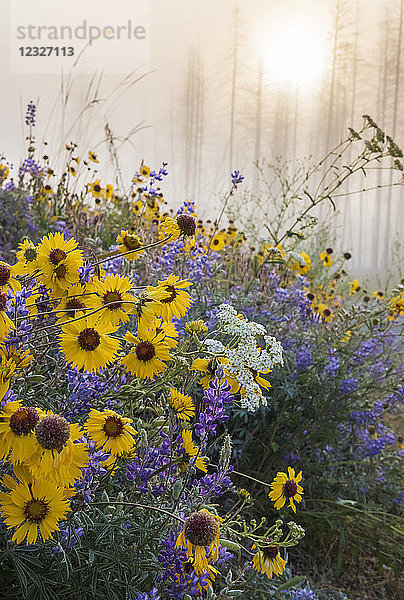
[(245, 358)]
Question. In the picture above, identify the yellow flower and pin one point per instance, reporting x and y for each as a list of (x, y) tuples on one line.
[(193, 450), (145, 305), (32, 507), (60, 261), (144, 171), (218, 241), (169, 227), (73, 305), (325, 312), (47, 190), (286, 487), (147, 355), (176, 301), (111, 432), (182, 404), (268, 560), (113, 294), (396, 307), (201, 530), (17, 431), (326, 258), (129, 241), (87, 344), (6, 324), (96, 190), (93, 157), (72, 170), (4, 173), (7, 279), (379, 295), (168, 329), (27, 257), (302, 265), (354, 286), (58, 456)]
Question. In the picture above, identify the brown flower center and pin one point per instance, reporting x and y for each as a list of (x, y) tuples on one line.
[(114, 299), (270, 552), (23, 420), (187, 224), (5, 274), (61, 271), (201, 528), (89, 339), (3, 301), (30, 254), (36, 510), (52, 432), (113, 426), (57, 255), (173, 294), (290, 488), (75, 304), (97, 188), (145, 351)]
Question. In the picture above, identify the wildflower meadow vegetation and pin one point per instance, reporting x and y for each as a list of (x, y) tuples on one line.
[(193, 408)]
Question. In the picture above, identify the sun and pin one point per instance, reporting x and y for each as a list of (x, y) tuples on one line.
[(295, 53)]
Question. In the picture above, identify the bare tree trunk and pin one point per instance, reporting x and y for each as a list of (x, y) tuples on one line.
[(258, 122), (394, 131), (382, 94), (233, 89)]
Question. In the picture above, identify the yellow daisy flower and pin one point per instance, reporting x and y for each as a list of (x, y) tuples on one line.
[(96, 190), (32, 508), (354, 286), (302, 266), (160, 326), (17, 431), (145, 307), (396, 307), (201, 531), (7, 279), (129, 241), (57, 454), (113, 294), (286, 487), (27, 257), (218, 241), (111, 431), (60, 261), (176, 302), (47, 190), (169, 227), (88, 344), (4, 172), (75, 304), (147, 355), (182, 404), (325, 312), (326, 257), (268, 561), (93, 157)]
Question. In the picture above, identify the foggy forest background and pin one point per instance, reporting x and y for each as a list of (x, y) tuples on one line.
[(209, 105)]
